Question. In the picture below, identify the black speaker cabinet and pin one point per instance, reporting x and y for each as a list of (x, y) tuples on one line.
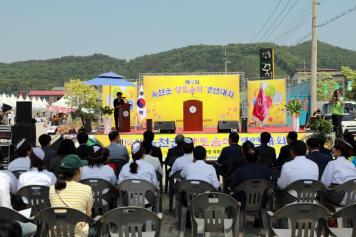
[(27, 131), (165, 127), (23, 112), (244, 125), (228, 126)]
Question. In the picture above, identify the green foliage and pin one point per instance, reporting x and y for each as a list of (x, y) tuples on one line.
[(321, 125), (45, 74), (294, 107), (106, 111), (351, 77)]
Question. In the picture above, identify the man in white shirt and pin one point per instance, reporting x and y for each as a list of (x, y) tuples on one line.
[(299, 168), (22, 162), (186, 159), (5, 200), (199, 169), (339, 170), (37, 175)]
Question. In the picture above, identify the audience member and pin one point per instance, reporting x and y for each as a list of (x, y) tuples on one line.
[(339, 170), (97, 168), (284, 154), (299, 168), (266, 154), (252, 170), (68, 192), (22, 162), (37, 175), (84, 151), (117, 151), (10, 228), (315, 155), (231, 157), (50, 153), (138, 169), (5, 186), (349, 138), (186, 159), (148, 138), (199, 169), (66, 147), (152, 160), (175, 152), (322, 140)]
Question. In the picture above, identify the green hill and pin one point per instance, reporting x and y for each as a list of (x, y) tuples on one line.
[(44, 74)]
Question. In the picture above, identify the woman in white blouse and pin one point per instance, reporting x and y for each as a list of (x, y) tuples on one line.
[(138, 169), (37, 175), (97, 168), (22, 162)]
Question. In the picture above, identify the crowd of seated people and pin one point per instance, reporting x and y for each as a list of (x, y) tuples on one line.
[(63, 169)]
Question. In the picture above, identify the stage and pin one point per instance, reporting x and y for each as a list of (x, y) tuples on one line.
[(209, 138)]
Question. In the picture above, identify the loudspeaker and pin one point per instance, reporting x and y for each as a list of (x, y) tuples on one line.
[(165, 127), (244, 125), (228, 126), (149, 124), (27, 131), (23, 112)]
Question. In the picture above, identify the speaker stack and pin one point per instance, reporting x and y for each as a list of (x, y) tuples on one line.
[(228, 126), (24, 126), (165, 127)]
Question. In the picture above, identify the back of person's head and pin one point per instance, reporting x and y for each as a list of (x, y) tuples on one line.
[(148, 136), (313, 143), (321, 139), (147, 146), (188, 145), (137, 152), (342, 147), (66, 147), (234, 137), (10, 228), (265, 137), (348, 137), (44, 140), (23, 148), (199, 153), (251, 155), (113, 135), (179, 140), (37, 156), (247, 145), (69, 169), (99, 156), (292, 136), (82, 138), (298, 148)]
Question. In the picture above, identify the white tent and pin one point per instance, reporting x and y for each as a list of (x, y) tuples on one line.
[(20, 98), (27, 98), (61, 105)]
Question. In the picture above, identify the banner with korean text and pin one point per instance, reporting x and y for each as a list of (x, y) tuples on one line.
[(219, 93), (214, 143)]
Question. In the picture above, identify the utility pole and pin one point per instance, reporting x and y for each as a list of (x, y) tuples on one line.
[(227, 61), (314, 59)]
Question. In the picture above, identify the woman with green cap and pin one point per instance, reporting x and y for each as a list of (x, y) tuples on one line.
[(68, 192)]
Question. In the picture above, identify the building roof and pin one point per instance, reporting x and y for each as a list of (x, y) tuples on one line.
[(46, 93)]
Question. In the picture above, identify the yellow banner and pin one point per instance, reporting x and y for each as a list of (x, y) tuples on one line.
[(130, 92), (214, 143), (275, 92), (219, 93)]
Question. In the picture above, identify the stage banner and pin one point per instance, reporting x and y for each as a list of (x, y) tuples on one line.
[(130, 92), (220, 94), (269, 93), (214, 143)]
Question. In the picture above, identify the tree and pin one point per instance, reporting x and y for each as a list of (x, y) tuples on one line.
[(350, 75), (82, 97), (325, 86)]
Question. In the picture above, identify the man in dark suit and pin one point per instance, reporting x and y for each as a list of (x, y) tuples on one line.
[(117, 103), (322, 139), (175, 152), (230, 157), (148, 138), (50, 153), (84, 151), (284, 154), (266, 154), (315, 155)]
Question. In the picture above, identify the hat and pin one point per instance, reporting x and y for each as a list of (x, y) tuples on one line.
[(20, 143), (71, 162), (344, 145), (188, 140), (135, 147), (96, 148), (37, 151)]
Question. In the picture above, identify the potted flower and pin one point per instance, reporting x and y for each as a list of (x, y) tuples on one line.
[(106, 112), (294, 107)]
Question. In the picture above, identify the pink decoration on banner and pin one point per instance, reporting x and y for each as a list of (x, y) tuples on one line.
[(260, 109)]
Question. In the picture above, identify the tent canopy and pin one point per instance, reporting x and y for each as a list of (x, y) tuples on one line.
[(109, 79)]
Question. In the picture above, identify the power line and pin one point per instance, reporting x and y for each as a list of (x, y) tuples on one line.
[(292, 30), (268, 19), (304, 38), (337, 17)]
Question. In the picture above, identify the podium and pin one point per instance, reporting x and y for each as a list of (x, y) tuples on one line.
[(124, 118), (193, 115)]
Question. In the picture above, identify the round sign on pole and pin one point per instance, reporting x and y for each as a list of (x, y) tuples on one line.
[(125, 114), (192, 109)]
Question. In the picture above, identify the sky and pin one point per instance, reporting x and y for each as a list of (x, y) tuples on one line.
[(42, 29)]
